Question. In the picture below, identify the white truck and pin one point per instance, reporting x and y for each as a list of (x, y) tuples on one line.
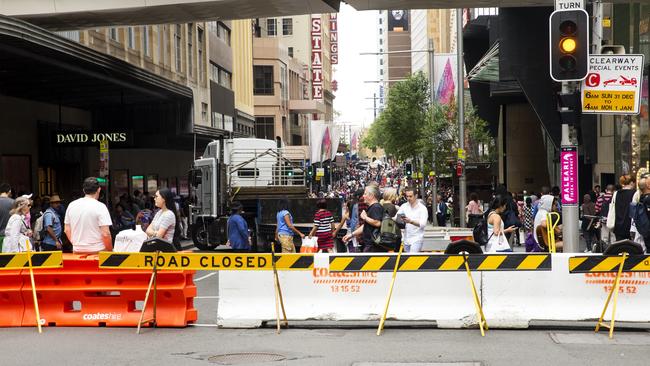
[(253, 171)]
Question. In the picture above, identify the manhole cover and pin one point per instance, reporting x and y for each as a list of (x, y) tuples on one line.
[(242, 358)]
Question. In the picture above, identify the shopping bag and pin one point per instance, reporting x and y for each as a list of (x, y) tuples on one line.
[(129, 241), (309, 245), (498, 244)]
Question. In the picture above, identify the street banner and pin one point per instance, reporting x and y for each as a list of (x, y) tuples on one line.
[(316, 133), (613, 84), (569, 175)]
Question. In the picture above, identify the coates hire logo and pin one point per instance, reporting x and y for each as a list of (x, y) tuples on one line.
[(102, 316)]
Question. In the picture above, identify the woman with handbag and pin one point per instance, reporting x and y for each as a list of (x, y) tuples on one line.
[(497, 241), (17, 233), (618, 218)]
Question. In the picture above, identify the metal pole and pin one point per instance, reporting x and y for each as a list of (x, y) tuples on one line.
[(374, 106), (432, 92), (570, 213), (462, 194)]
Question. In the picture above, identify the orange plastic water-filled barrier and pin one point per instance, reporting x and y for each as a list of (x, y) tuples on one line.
[(81, 294), (12, 306)]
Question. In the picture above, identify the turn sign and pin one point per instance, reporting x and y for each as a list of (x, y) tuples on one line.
[(613, 84)]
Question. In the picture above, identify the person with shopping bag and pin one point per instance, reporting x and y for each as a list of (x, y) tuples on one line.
[(285, 229), (497, 241)]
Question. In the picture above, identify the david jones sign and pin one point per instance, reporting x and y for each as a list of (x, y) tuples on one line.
[(82, 138)]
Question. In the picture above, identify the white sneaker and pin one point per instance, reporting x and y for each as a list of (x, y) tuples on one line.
[(587, 251)]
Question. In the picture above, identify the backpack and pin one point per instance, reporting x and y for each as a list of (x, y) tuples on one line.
[(639, 213), (480, 231), (388, 235), (39, 229)]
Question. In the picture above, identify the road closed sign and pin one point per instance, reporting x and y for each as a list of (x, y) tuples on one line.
[(613, 84)]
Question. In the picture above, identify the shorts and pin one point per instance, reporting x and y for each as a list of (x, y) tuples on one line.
[(286, 241)]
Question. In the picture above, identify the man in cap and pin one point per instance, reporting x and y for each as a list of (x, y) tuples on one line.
[(52, 226)]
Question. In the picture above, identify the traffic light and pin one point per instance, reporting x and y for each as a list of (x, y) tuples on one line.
[(569, 44), (310, 172), (409, 170)]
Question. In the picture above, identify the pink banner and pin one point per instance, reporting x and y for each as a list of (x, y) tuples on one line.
[(569, 175)]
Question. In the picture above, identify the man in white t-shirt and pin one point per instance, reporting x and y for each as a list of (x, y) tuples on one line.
[(415, 215), (87, 221)]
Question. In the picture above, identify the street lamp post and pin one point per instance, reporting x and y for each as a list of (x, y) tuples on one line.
[(462, 184)]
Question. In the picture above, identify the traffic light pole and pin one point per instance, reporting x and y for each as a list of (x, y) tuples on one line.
[(570, 212), (462, 188)]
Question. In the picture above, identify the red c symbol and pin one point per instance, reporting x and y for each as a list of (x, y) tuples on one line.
[(592, 80)]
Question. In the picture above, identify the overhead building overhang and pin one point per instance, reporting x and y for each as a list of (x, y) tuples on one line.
[(450, 4), (85, 14), (37, 64)]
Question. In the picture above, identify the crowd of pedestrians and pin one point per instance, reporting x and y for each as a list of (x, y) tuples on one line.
[(87, 225)]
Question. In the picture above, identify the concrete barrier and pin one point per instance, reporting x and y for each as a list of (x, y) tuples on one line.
[(246, 298), (510, 299)]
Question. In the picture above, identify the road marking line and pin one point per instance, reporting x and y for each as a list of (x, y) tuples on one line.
[(203, 325), (204, 277)]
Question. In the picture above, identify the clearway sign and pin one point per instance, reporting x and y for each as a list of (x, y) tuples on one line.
[(613, 84)]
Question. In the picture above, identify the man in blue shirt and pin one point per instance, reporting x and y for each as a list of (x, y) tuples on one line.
[(52, 226), (238, 229)]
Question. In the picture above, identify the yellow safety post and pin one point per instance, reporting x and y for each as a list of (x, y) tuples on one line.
[(278, 292), (482, 323), (550, 225), (153, 282), (31, 277), (614, 291), (390, 292)]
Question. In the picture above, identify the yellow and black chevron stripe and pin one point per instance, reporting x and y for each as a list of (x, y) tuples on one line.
[(437, 262), (205, 261), (39, 259), (608, 263)]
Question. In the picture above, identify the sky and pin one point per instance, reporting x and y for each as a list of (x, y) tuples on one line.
[(357, 33)]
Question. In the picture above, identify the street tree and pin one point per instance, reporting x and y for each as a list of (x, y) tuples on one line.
[(410, 127)]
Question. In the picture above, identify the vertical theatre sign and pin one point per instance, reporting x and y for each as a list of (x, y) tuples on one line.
[(334, 39), (316, 58), (569, 170)]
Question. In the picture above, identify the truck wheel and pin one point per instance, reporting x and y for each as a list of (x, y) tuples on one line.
[(200, 237)]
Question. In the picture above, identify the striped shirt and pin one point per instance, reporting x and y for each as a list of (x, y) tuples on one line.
[(604, 198), (323, 220)]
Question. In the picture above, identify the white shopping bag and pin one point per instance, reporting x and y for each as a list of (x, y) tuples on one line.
[(309, 245), (129, 241)]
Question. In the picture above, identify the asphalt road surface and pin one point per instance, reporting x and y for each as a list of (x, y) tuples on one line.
[(353, 344)]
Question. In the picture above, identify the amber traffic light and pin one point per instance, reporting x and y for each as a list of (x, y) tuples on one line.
[(569, 44)]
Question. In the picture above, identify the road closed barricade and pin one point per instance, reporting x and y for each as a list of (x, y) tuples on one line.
[(82, 294), (16, 278), (625, 274), (354, 287), (161, 263)]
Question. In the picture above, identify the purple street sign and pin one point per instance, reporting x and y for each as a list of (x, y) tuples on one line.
[(569, 175)]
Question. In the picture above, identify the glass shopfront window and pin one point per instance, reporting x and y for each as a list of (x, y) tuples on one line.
[(632, 138)]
